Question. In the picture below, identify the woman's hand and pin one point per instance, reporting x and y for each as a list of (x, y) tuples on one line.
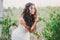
[(38, 36), (36, 20)]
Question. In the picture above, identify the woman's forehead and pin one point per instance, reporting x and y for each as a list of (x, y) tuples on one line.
[(33, 6)]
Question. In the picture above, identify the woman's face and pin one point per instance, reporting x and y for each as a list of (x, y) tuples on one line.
[(32, 9)]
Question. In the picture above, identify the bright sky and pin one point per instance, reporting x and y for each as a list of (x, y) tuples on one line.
[(21, 3)]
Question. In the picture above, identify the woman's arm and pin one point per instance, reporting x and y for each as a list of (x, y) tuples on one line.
[(23, 23), (33, 28)]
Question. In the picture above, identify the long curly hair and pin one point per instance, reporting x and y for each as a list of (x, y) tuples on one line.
[(29, 19)]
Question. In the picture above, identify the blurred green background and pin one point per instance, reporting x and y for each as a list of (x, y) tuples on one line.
[(48, 27)]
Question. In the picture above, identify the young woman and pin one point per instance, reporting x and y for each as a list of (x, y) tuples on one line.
[(27, 23)]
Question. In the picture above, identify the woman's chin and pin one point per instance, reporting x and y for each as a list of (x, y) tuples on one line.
[(32, 14)]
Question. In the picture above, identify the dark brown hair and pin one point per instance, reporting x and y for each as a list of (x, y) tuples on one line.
[(29, 19)]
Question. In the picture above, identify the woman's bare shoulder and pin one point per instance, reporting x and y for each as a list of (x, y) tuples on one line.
[(22, 20)]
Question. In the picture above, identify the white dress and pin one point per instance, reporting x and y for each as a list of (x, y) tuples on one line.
[(20, 33)]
